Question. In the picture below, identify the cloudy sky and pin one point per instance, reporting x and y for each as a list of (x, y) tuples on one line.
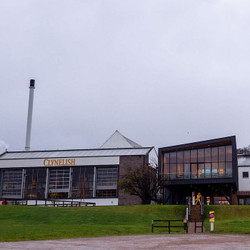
[(161, 72)]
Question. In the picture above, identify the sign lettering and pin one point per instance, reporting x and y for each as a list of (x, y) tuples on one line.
[(59, 162)]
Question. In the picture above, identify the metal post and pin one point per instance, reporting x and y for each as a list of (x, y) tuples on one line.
[(169, 226)]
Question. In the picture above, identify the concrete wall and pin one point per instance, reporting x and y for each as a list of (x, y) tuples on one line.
[(127, 162)]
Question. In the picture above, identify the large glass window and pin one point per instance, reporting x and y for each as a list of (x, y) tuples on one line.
[(194, 171), (229, 169), (222, 154), (180, 157), (208, 157), (201, 170), (166, 165), (215, 170), (229, 155), (193, 156), (215, 154), (201, 155), (210, 162), (180, 171), (166, 170), (208, 170), (12, 183), (173, 157), (166, 158), (82, 182), (186, 171), (35, 182), (106, 182), (187, 156), (59, 183), (222, 169), (172, 171)]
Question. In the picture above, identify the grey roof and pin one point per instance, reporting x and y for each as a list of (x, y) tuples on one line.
[(75, 153), (117, 140)]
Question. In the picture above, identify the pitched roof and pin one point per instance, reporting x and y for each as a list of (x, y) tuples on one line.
[(117, 140)]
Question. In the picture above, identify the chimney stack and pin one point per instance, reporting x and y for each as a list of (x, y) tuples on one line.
[(30, 110)]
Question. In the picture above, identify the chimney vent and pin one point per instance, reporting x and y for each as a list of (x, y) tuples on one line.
[(30, 110)]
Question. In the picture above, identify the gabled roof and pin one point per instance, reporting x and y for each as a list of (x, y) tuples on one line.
[(117, 140)]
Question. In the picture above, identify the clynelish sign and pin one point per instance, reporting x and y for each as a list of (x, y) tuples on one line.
[(59, 162)]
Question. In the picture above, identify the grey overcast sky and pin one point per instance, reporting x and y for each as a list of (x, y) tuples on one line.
[(161, 72)]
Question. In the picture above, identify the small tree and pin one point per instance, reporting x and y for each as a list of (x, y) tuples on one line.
[(144, 182)]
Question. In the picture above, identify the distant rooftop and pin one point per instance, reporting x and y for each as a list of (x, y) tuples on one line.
[(117, 140)]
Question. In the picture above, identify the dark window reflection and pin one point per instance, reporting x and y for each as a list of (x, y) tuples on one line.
[(166, 169), (193, 155), (194, 171), (201, 155), (180, 171), (215, 154), (229, 155), (166, 158), (180, 157), (208, 157), (186, 171), (222, 154), (229, 169), (215, 170), (35, 183), (173, 157), (201, 170), (172, 171), (222, 169), (187, 156), (208, 167)]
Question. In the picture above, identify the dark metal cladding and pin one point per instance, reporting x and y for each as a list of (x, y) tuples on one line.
[(32, 83)]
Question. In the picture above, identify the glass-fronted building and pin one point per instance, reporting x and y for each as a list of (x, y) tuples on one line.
[(208, 167)]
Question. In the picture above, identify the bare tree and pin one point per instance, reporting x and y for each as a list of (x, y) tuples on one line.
[(143, 181), (244, 150)]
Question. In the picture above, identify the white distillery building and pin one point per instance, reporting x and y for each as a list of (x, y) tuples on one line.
[(244, 179), (88, 175)]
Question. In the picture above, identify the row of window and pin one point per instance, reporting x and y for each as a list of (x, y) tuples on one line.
[(78, 182), (198, 170), (212, 154)]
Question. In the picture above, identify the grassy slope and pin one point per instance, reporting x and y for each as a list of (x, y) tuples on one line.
[(36, 223), (229, 219), (33, 223)]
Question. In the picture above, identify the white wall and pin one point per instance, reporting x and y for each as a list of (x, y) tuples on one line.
[(244, 166), (244, 183)]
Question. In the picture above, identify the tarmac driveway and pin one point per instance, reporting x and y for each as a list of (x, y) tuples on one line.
[(157, 241)]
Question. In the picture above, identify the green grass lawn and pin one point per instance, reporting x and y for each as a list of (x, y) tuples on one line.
[(229, 219), (38, 223)]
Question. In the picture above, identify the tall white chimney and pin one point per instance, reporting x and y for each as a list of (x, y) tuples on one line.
[(30, 110)]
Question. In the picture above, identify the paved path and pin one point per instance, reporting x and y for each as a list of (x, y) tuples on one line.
[(162, 241)]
